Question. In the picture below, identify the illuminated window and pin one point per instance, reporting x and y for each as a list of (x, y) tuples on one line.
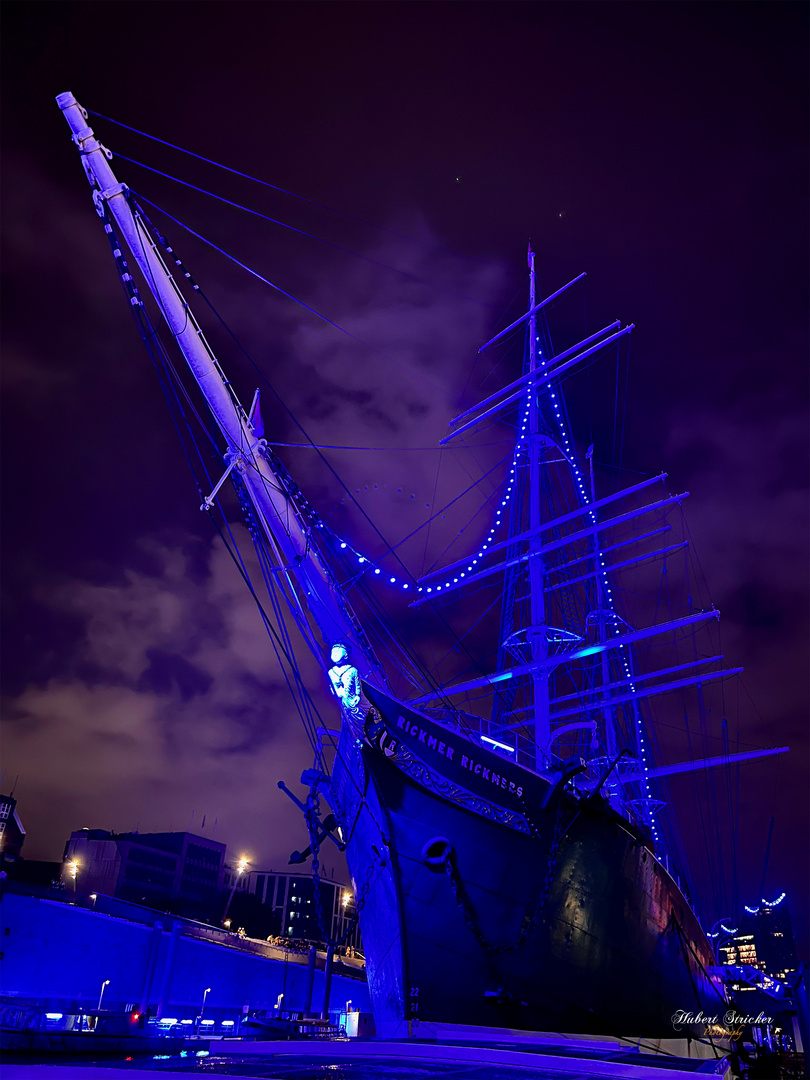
[(5, 809)]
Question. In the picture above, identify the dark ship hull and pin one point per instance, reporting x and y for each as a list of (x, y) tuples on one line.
[(560, 919)]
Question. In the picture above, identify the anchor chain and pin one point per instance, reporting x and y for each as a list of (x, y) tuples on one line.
[(463, 901)]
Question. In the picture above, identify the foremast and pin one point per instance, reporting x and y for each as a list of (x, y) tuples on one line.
[(315, 600), (538, 631)]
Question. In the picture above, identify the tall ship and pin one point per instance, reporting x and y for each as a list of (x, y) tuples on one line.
[(498, 812)]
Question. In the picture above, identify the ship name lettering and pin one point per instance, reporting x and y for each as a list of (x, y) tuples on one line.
[(478, 767), (465, 761), (485, 774), (429, 740)]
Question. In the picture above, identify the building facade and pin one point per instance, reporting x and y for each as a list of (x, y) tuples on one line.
[(12, 833), (764, 940), (181, 871), (292, 898)]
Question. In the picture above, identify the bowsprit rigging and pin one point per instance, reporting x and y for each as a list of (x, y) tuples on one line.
[(502, 822)]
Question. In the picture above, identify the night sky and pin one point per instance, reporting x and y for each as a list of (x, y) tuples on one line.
[(660, 147)]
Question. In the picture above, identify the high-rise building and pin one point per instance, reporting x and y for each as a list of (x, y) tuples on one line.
[(179, 870), (292, 898), (764, 940)]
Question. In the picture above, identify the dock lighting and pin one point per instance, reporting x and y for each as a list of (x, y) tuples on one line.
[(241, 868), (499, 745), (73, 870), (202, 1007), (207, 1023), (227, 924), (228, 1023), (346, 898), (105, 984), (53, 1016)]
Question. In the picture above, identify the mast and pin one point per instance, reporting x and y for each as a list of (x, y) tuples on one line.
[(602, 614), (286, 529), (537, 632)]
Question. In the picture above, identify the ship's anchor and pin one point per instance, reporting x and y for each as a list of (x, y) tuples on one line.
[(319, 830)]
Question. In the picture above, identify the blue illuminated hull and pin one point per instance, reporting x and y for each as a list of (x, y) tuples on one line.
[(606, 942)]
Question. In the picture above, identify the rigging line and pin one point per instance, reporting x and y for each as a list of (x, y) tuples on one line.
[(150, 339), (421, 667), (730, 810), (164, 352), (710, 785), (170, 383), (380, 449), (472, 627), (275, 187), (256, 274), (272, 633), (311, 442), (491, 363), (272, 587), (191, 435), (310, 235), (306, 720), (699, 801), (432, 518), (440, 512), (155, 347), (624, 404), (616, 404), (144, 225)]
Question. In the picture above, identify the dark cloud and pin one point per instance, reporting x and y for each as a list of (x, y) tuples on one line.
[(139, 684)]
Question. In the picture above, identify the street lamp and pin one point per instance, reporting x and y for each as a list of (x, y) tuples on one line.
[(241, 867), (202, 1007), (73, 870), (94, 897), (101, 995)]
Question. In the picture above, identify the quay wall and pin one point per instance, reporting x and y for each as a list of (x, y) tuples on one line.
[(57, 955)]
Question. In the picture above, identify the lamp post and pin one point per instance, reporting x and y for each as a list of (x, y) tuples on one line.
[(94, 897), (73, 870), (240, 869), (101, 995), (202, 1008)]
